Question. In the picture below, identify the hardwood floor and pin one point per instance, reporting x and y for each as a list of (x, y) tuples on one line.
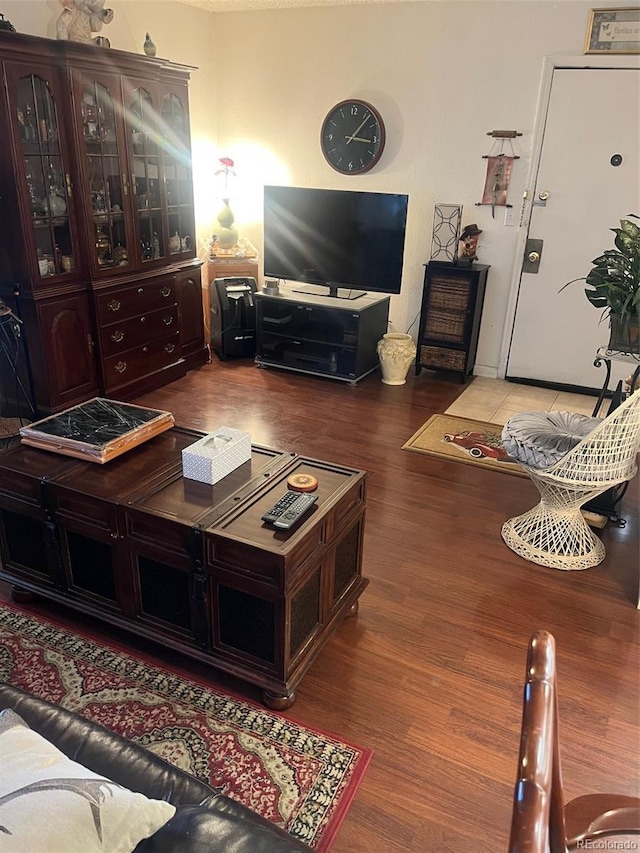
[(429, 674)]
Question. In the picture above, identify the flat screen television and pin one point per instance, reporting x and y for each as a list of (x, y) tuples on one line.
[(349, 241)]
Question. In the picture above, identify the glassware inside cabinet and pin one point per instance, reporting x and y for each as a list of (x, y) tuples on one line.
[(147, 176), (142, 123), (151, 239), (47, 181), (176, 165), (108, 185)]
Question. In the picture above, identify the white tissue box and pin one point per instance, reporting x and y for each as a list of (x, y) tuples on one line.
[(216, 455)]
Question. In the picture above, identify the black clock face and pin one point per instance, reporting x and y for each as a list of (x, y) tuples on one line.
[(352, 137)]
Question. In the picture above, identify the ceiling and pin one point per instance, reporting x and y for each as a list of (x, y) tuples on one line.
[(245, 5)]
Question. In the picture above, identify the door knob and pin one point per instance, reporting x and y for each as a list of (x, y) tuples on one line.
[(544, 195), (534, 257)]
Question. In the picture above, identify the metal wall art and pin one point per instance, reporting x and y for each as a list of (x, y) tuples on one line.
[(446, 232), (499, 165)]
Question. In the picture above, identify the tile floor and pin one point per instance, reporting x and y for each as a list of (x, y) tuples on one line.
[(496, 400)]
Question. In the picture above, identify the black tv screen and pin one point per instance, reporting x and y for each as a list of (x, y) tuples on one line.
[(338, 238)]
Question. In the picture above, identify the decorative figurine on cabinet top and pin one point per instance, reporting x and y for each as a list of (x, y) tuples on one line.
[(80, 18), (469, 241), (6, 25), (148, 46)]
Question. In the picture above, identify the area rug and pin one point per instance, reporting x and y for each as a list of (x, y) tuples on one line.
[(299, 778), (464, 440), (10, 431)]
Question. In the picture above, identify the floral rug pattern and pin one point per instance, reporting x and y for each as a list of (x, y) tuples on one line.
[(295, 777)]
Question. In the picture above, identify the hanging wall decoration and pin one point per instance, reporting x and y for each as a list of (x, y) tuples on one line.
[(446, 232), (499, 165)]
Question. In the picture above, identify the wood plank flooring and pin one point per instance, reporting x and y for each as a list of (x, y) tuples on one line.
[(429, 674)]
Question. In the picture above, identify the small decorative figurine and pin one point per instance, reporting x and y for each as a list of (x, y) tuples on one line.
[(149, 46), (6, 25), (469, 240), (79, 19), (175, 243)]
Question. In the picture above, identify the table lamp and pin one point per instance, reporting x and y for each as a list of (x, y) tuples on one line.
[(227, 235)]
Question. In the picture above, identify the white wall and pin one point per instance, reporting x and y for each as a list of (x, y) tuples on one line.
[(442, 74)]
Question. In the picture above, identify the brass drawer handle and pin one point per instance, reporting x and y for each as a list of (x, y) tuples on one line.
[(114, 305), (120, 367), (169, 347), (166, 291), (167, 320), (117, 336)]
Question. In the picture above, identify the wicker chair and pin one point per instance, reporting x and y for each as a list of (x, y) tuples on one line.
[(554, 533), (540, 822)]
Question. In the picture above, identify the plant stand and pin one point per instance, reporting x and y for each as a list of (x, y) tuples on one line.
[(605, 356), (608, 503)]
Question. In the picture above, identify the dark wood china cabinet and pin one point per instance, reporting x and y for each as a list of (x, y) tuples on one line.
[(97, 228)]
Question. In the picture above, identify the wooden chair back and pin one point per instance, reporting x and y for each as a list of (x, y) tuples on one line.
[(540, 821)]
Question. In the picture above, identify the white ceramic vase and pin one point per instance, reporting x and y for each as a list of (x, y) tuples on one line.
[(396, 353)]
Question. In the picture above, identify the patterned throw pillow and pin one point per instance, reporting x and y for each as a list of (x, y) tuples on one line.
[(48, 802)]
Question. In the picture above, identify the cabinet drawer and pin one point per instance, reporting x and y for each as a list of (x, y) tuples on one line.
[(128, 302), (136, 331), (131, 365), (448, 359)]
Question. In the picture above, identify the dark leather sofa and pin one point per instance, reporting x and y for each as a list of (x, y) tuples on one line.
[(205, 820)]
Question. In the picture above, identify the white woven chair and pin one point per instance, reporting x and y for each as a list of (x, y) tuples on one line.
[(554, 533)]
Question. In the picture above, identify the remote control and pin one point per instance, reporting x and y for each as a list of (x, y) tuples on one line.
[(281, 505), (285, 504), (294, 513)]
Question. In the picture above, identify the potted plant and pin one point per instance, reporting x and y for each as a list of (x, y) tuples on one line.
[(614, 286)]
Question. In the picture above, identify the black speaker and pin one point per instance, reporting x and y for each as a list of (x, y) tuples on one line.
[(233, 317)]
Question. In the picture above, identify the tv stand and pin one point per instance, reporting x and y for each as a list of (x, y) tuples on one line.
[(335, 292), (320, 335)]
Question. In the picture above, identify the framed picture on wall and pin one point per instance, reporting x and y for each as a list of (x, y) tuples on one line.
[(613, 31)]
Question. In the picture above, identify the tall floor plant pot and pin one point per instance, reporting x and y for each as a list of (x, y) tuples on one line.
[(396, 353)]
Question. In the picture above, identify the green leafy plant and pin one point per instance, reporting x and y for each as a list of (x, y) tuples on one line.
[(614, 281)]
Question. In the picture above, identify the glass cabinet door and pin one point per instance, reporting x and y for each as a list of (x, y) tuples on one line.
[(146, 175), (176, 164), (108, 183), (46, 176)]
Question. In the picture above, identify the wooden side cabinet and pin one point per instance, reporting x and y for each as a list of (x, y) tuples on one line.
[(452, 302)]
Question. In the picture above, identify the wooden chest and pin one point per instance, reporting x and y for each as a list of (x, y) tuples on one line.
[(187, 564)]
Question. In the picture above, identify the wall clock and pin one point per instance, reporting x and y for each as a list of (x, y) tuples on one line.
[(352, 137)]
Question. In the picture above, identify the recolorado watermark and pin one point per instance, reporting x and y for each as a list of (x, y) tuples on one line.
[(607, 844)]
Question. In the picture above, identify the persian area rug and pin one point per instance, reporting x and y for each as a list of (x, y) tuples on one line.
[(299, 778), (10, 431), (464, 440)]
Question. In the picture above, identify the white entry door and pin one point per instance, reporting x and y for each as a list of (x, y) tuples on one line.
[(593, 123)]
